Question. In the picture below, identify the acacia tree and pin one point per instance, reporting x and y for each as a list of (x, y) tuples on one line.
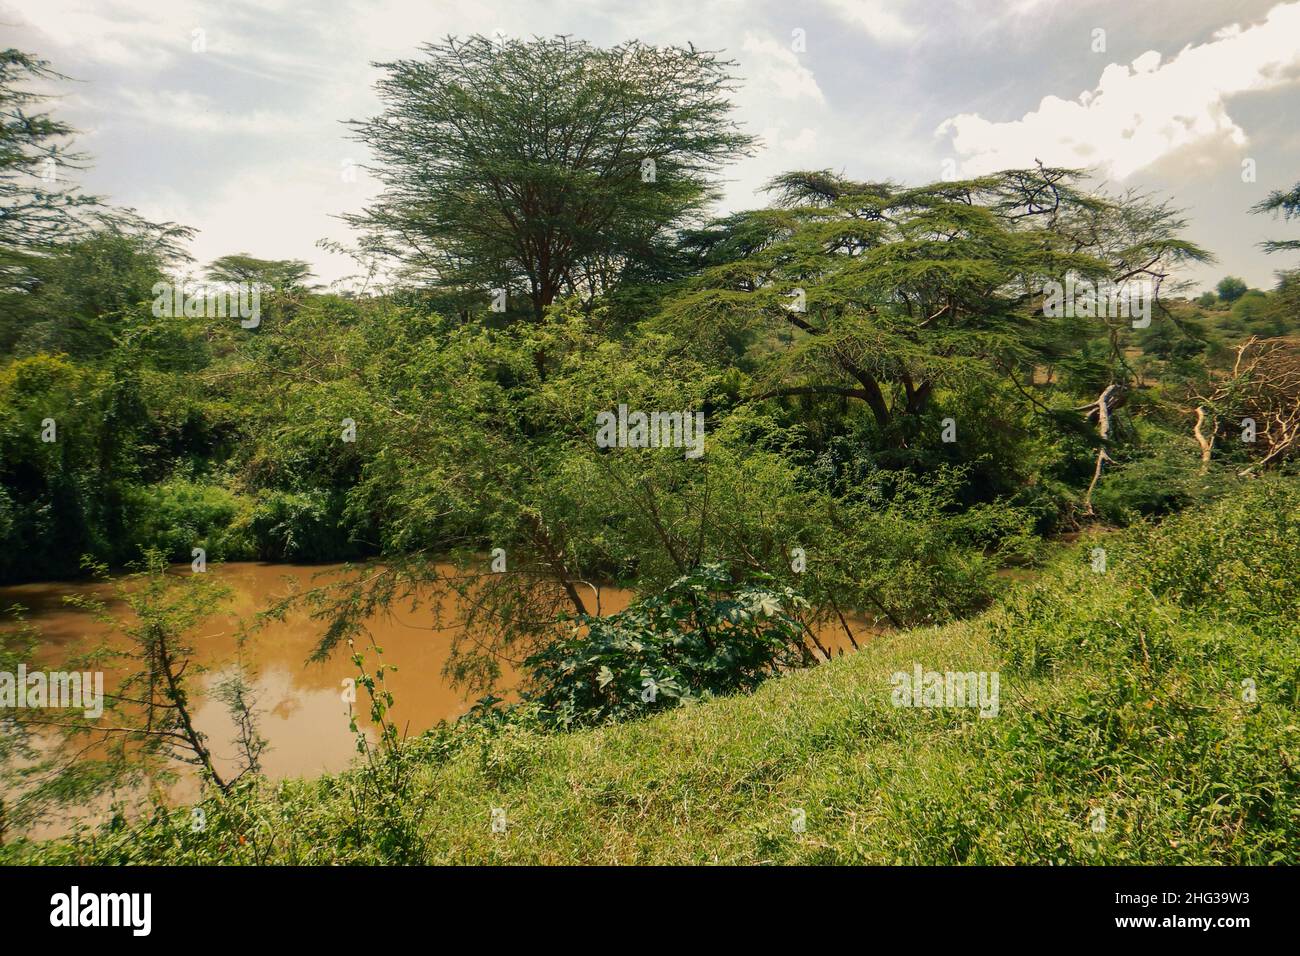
[(70, 267), (281, 283), (885, 292), (545, 164), (1286, 204), (38, 207), (279, 275)]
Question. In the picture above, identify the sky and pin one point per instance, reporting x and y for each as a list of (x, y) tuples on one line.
[(228, 117)]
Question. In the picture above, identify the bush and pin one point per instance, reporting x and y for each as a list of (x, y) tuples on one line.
[(703, 635), (299, 526), (179, 515), (1235, 560), (1230, 288), (1157, 484), (1165, 695)]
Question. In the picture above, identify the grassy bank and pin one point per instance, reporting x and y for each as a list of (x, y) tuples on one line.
[(1148, 713)]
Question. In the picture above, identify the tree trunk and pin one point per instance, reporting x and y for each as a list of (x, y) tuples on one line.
[(1206, 442), (1107, 401), (555, 559)]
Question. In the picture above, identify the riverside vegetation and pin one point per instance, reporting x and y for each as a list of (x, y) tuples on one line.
[(1124, 692), (892, 421)]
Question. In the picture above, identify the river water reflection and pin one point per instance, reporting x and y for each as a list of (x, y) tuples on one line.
[(302, 714)]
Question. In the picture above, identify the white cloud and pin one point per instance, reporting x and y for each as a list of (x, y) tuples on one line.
[(805, 141), (274, 212), (1142, 112), (123, 33), (192, 112), (876, 17), (773, 69), (775, 139), (148, 36)]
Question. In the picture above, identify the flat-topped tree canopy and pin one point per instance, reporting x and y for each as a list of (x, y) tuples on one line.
[(883, 291)]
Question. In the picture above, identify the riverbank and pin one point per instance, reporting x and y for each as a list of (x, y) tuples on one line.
[(1148, 714), (298, 702)]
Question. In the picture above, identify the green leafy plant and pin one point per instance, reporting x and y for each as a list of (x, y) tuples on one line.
[(380, 792), (703, 635)]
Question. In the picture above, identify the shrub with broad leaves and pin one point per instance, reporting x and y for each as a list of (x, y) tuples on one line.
[(703, 635)]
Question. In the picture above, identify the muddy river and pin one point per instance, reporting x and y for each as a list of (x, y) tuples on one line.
[(301, 711)]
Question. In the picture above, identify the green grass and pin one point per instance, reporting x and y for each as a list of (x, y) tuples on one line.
[(1120, 692)]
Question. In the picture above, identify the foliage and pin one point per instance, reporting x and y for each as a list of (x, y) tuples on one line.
[(703, 635), (1123, 694), (890, 414), (520, 164), (1285, 204), (279, 275), (178, 515), (386, 817), (81, 298), (33, 148), (1231, 288)]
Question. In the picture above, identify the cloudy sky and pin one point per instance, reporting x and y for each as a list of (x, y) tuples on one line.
[(227, 116)]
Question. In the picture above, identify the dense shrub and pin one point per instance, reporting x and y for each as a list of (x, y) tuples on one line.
[(703, 635), (1235, 560), (179, 515), (300, 526), (1151, 486), (1171, 693)]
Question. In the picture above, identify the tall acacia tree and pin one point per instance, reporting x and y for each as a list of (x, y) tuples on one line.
[(38, 206), (70, 266), (543, 165), (279, 275), (887, 292)]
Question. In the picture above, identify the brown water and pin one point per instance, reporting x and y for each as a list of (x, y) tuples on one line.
[(302, 713)]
